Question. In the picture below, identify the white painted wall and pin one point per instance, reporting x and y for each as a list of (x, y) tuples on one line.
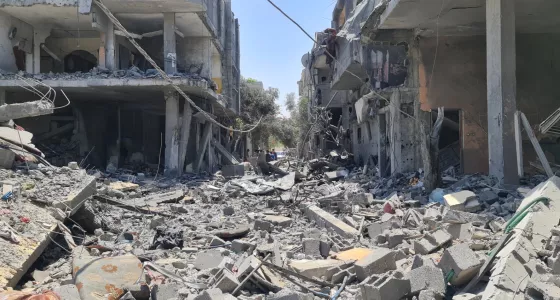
[(24, 35)]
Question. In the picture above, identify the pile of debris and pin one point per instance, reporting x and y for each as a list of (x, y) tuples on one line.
[(324, 230)]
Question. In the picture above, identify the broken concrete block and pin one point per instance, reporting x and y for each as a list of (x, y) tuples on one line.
[(325, 220), (537, 290), (379, 261), (217, 242), (278, 220), (462, 232), (263, 225), (362, 199), (432, 242), (350, 221), (311, 247), (165, 291), (427, 278), (116, 274), (391, 286), (422, 261), (157, 221), (463, 261), (7, 158), (228, 282), (247, 266), (314, 268), (457, 201), (228, 211), (461, 217), (208, 260), (25, 110), (240, 246), (467, 296), (67, 292), (488, 197), (395, 237), (430, 295), (335, 175), (287, 294)]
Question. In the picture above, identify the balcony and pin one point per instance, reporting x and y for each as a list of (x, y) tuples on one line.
[(323, 95), (348, 72)]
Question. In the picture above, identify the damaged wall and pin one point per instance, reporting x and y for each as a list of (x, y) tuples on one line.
[(459, 82), (195, 55), (24, 36)]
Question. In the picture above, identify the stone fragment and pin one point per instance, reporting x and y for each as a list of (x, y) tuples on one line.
[(40, 276), (488, 197), (228, 211), (278, 220), (73, 165), (157, 221), (422, 261), (427, 278), (432, 242), (378, 262), (463, 261), (311, 247), (208, 260), (217, 242), (287, 294), (429, 295), (457, 201), (240, 246), (214, 294), (537, 290), (165, 291), (461, 217), (462, 232), (67, 292), (263, 225)]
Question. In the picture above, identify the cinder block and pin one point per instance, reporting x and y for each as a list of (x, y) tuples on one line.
[(311, 247), (463, 261), (427, 278), (228, 282), (432, 242), (391, 286), (263, 225), (378, 262)]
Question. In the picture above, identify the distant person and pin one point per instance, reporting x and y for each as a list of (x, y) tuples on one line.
[(274, 155), (268, 156)]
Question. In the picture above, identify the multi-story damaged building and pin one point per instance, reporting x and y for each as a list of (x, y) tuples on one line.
[(121, 110), (482, 60)]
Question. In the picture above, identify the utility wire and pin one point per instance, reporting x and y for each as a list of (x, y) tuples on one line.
[(337, 61), (164, 75)]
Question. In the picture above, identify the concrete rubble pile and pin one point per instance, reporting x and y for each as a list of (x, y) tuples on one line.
[(325, 230)]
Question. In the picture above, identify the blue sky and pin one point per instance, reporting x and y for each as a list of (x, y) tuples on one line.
[(272, 46)]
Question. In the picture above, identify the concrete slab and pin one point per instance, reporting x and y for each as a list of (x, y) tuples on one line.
[(25, 110), (378, 262), (326, 220), (76, 199), (457, 201), (314, 268)]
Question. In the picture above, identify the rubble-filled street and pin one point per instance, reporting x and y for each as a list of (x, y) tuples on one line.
[(326, 230)]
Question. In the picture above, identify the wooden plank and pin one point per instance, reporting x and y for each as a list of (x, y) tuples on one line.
[(536, 145)]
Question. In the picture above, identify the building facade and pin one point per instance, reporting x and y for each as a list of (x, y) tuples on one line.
[(481, 60), (121, 110)]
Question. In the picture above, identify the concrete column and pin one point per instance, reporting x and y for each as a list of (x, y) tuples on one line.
[(395, 132), (382, 145), (185, 134), (169, 43), (110, 56), (210, 151), (29, 63), (39, 37), (204, 143), (172, 129), (2, 96), (501, 84), (102, 51)]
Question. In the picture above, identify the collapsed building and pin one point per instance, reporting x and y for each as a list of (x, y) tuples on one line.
[(396, 62), (122, 113)]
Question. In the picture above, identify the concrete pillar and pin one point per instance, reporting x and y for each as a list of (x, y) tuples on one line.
[(204, 143), (501, 84), (172, 129), (395, 132), (110, 56), (382, 145), (102, 51), (39, 37), (185, 134), (210, 151), (2, 96), (169, 43), (29, 63)]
